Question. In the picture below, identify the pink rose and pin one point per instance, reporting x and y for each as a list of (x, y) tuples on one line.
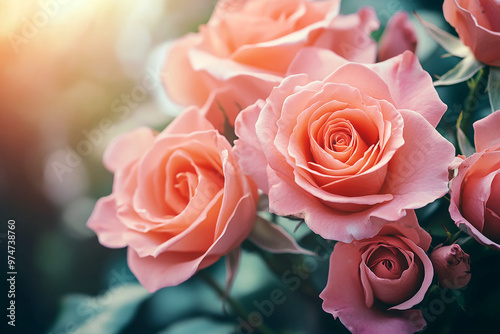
[(475, 191), (452, 266), (179, 200), (346, 146), (247, 46), (373, 283), (399, 36), (478, 26)]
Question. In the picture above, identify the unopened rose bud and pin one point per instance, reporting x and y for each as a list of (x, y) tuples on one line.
[(399, 35), (452, 266)]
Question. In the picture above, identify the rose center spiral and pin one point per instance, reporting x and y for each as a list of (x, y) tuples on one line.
[(340, 141), (387, 263), (186, 183)]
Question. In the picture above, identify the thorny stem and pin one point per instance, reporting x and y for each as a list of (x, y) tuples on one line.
[(454, 237)]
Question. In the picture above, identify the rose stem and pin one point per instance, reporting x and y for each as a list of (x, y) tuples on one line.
[(286, 261), (471, 102)]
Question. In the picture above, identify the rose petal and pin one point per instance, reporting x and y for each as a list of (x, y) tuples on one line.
[(267, 127), (394, 291), (127, 148), (408, 226), (410, 171), (106, 225), (455, 203), (179, 76), (427, 280), (225, 103), (247, 148), (373, 83), (399, 35), (486, 131), (410, 86), (476, 190), (330, 224), (149, 199), (476, 30), (168, 269), (172, 268), (221, 69), (238, 227), (350, 36), (235, 188), (195, 236), (190, 120)]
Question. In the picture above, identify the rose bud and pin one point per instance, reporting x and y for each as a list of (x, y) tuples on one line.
[(452, 266), (399, 35)]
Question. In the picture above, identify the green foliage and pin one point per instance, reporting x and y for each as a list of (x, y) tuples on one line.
[(105, 314)]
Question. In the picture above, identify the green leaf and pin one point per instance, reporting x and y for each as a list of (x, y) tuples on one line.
[(199, 325), (275, 239), (105, 314), (460, 300), (228, 128), (462, 72), (494, 88), (463, 142), (449, 42)]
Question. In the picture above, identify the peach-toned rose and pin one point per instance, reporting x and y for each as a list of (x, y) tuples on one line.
[(399, 36), (179, 200), (452, 266), (478, 26), (475, 191), (373, 283), (342, 144), (246, 46)]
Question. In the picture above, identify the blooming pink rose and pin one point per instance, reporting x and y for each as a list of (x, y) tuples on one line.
[(452, 266), (477, 25), (399, 36), (475, 191), (373, 283), (342, 144), (179, 200), (246, 46)]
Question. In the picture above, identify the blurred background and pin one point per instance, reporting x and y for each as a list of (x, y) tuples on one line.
[(73, 75)]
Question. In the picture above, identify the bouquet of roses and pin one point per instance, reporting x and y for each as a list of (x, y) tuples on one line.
[(296, 116)]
